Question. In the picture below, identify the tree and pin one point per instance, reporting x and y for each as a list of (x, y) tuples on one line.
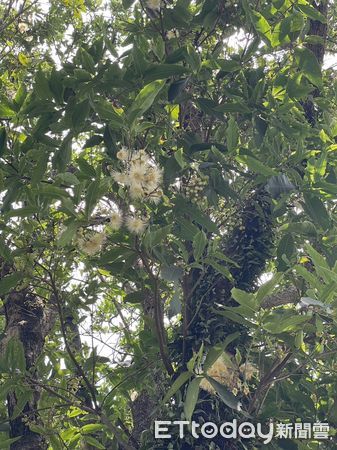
[(168, 181)]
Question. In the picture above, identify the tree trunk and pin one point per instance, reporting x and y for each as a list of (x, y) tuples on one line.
[(28, 321)]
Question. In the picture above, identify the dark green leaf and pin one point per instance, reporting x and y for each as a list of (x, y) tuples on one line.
[(3, 137), (309, 65), (191, 399), (10, 282), (145, 99), (163, 71)]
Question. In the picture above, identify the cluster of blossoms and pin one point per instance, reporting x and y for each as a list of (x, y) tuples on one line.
[(141, 176), (142, 179), (194, 188), (22, 27), (92, 242), (229, 376)]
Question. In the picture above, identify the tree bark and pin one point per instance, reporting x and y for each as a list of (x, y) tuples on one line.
[(29, 321)]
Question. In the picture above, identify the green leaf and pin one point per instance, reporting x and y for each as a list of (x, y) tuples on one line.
[(86, 60), (14, 356), (216, 351), (230, 314), (91, 428), (10, 282), (62, 156), (199, 244), (256, 166), (50, 191), (56, 85), (178, 382), (67, 235), (80, 114), (163, 71), (286, 247), (171, 273), (232, 134), (86, 168), (226, 396), (244, 298), (262, 26), (182, 207), (311, 12), (5, 251), (219, 268), (23, 212), (82, 75), (135, 297), (309, 65), (229, 65), (94, 140), (23, 397), (3, 138), (94, 442), (106, 111), (209, 107), (313, 281), (6, 112), (40, 168), (41, 86), (298, 87), (316, 210), (193, 58), (55, 442), (6, 443), (179, 157), (268, 287), (191, 399), (277, 323), (145, 99), (91, 197), (68, 178), (155, 236)]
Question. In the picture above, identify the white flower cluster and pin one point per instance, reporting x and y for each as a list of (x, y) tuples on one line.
[(141, 176), (92, 242), (229, 375), (23, 27)]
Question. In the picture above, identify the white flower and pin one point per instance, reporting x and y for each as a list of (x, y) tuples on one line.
[(143, 156), (153, 4), (153, 176), (120, 177), (171, 34), (248, 370), (23, 27), (123, 154), (116, 221), (137, 173), (93, 244), (136, 191), (136, 225)]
